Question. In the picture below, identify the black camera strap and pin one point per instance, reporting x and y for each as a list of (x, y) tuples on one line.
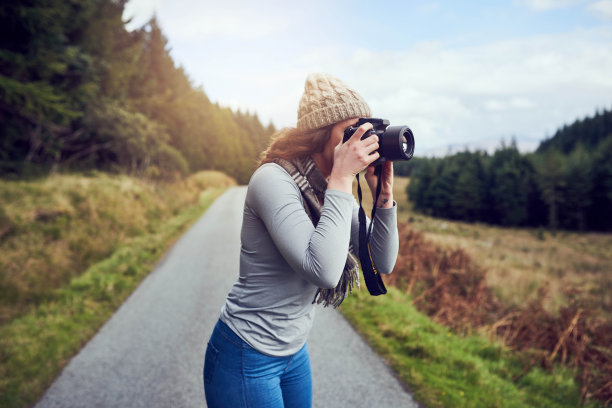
[(371, 275)]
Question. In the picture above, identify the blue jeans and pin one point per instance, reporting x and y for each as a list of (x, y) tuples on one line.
[(237, 375)]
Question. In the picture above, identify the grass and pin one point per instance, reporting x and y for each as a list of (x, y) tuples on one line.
[(521, 261), (38, 341), (51, 230), (58, 220), (443, 369), (449, 370)]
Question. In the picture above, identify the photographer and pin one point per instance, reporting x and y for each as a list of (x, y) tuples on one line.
[(300, 239)]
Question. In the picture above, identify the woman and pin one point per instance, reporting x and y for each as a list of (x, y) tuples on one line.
[(299, 230)]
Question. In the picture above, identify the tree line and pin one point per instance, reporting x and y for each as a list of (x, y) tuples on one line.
[(566, 183), (78, 91)]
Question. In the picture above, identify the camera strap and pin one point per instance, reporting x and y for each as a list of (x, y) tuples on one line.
[(371, 275)]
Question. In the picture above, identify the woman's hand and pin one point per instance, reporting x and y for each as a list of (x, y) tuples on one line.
[(385, 200), (352, 157)]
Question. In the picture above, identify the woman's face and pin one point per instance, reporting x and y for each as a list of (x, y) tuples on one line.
[(335, 138)]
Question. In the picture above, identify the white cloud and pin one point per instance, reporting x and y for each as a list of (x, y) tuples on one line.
[(140, 11), (199, 20), (503, 105), (545, 5), (525, 87), (448, 94), (209, 22), (602, 8)]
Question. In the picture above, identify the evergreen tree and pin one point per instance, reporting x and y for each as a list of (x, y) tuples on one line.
[(77, 89), (441, 190), (509, 188), (418, 189), (598, 213), (550, 178), (588, 131), (578, 188), (44, 78), (468, 201)]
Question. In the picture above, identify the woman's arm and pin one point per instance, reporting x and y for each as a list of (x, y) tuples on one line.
[(317, 254), (384, 242)]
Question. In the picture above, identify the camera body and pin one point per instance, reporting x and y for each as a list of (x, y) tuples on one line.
[(396, 143)]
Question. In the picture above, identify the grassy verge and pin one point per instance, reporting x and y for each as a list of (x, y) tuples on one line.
[(53, 229), (446, 370), (36, 345), (524, 263), (531, 272)]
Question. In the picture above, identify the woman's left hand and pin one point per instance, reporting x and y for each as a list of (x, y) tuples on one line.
[(385, 200)]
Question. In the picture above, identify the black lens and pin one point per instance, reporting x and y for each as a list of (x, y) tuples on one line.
[(397, 143), (408, 143)]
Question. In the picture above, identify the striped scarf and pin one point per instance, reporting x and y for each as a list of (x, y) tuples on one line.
[(312, 185)]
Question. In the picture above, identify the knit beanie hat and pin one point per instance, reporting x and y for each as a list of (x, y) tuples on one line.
[(327, 100)]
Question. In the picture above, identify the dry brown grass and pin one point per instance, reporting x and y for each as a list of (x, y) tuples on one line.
[(451, 288), (520, 262), (546, 294), (51, 230)]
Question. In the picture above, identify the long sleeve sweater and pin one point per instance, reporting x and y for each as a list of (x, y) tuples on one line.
[(284, 259)]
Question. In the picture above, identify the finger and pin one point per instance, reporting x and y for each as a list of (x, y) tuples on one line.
[(388, 169), (372, 157), (370, 140), (371, 147), (360, 131)]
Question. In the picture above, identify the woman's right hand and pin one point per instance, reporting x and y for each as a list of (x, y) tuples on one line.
[(352, 157)]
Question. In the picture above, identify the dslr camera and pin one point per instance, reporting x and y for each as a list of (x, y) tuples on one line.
[(395, 142)]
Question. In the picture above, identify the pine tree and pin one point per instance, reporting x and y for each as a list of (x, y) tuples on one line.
[(509, 176), (578, 188), (550, 177)]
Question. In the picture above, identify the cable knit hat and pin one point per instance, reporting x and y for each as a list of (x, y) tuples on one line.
[(327, 100)]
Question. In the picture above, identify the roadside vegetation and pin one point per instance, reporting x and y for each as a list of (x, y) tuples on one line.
[(476, 315), (547, 321), (522, 263), (445, 369), (73, 248)]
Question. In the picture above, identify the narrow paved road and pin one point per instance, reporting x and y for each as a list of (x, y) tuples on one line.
[(150, 353)]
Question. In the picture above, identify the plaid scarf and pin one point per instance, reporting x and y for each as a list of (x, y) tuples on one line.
[(312, 184)]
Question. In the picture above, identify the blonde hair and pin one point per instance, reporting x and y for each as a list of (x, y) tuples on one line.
[(289, 143)]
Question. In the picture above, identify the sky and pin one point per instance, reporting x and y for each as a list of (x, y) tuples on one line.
[(461, 74)]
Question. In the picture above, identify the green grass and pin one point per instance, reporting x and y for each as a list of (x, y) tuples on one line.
[(37, 344), (53, 229), (443, 369)]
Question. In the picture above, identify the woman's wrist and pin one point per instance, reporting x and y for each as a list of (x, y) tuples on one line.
[(341, 183), (385, 201)]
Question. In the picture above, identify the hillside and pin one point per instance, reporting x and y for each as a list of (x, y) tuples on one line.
[(588, 132), (80, 91), (566, 184)]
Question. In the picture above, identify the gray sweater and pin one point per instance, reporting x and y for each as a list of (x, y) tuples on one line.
[(284, 259)]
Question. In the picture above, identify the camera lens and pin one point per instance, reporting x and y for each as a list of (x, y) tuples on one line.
[(397, 143)]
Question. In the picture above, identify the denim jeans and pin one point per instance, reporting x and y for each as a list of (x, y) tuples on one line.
[(237, 375)]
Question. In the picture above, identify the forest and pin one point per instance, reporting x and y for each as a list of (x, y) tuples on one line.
[(566, 183), (79, 91)]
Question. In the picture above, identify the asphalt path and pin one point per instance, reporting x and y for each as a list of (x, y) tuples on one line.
[(151, 352)]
